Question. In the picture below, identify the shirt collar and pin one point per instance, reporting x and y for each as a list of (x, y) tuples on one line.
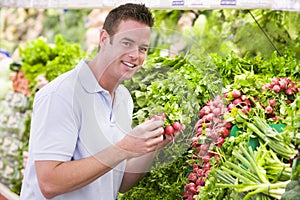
[(90, 83), (87, 78)]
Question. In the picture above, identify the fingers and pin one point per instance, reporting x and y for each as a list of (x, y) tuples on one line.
[(151, 128), (155, 140)]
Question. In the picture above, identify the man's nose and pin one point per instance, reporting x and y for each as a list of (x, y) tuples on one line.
[(134, 53)]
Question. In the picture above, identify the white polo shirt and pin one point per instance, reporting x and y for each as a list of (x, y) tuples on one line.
[(72, 119)]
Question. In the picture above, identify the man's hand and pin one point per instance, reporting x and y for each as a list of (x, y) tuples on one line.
[(144, 138)]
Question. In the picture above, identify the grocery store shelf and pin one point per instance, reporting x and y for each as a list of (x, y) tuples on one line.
[(5, 191), (291, 5)]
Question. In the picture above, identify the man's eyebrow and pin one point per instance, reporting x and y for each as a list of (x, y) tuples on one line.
[(133, 41)]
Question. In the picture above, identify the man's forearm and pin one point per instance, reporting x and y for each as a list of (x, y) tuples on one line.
[(57, 177), (136, 168)]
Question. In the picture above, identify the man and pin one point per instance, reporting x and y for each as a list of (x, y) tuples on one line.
[(81, 142)]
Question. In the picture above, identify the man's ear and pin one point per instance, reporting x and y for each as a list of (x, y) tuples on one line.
[(104, 37)]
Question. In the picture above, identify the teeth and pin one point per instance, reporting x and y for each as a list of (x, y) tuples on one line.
[(129, 64)]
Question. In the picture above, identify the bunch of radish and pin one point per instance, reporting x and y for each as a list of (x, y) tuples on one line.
[(196, 180), (285, 85), (236, 99), (278, 91), (211, 131), (169, 127)]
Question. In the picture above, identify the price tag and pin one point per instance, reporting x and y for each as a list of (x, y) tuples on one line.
[(177, 3), (228, 2)]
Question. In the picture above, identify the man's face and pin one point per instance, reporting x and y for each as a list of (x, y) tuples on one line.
[(126, 51)]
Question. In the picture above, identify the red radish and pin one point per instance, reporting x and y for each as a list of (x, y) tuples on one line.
[(226, 94), (202, 182), (205, 147), (217, 111), (268, 86), (247, 102), (217, 156), (208, 130), (243, 97), (224, 132), (200, 172), (199, 132), (195, 141), (201, 113), (283, 83), (237, 101), (295, 90), (192, 177), (276, 88), (192, 187), (208, 124), (191, 197), (272, 102), (236, 93), (289, 91), (209, 103), (176, 126), (275, 118), (246, 109), (269, 110), (185, 195), (195, 166), (216, 103), (221, 140), (199, 123), (275, 80), (206, 110), (209, 117), (230, 106), (206, 166), (206, 158), (228, 125), (264, 87), (198, 182), (169, 130)]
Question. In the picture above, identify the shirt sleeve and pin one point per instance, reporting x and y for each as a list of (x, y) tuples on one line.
[(53, 129)]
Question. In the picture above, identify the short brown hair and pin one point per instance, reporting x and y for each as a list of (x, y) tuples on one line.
[(137, 12)]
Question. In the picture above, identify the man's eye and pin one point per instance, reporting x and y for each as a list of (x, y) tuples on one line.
[(143, 49), (127, 44)]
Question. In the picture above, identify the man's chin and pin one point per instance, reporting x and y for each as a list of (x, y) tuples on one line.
[(126, 77)]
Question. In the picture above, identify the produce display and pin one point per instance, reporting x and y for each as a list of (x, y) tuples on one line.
[(12, 126), (235, 151), (237, 112)]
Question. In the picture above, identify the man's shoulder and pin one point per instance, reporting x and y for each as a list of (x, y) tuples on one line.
[(61, 83)]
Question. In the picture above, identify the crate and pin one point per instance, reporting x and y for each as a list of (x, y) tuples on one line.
[(253, 141)]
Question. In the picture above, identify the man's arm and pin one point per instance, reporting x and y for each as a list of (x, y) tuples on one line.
[(137, 167), (56, 177)]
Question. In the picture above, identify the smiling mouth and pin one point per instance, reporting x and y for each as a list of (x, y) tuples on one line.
[(130, 65)]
